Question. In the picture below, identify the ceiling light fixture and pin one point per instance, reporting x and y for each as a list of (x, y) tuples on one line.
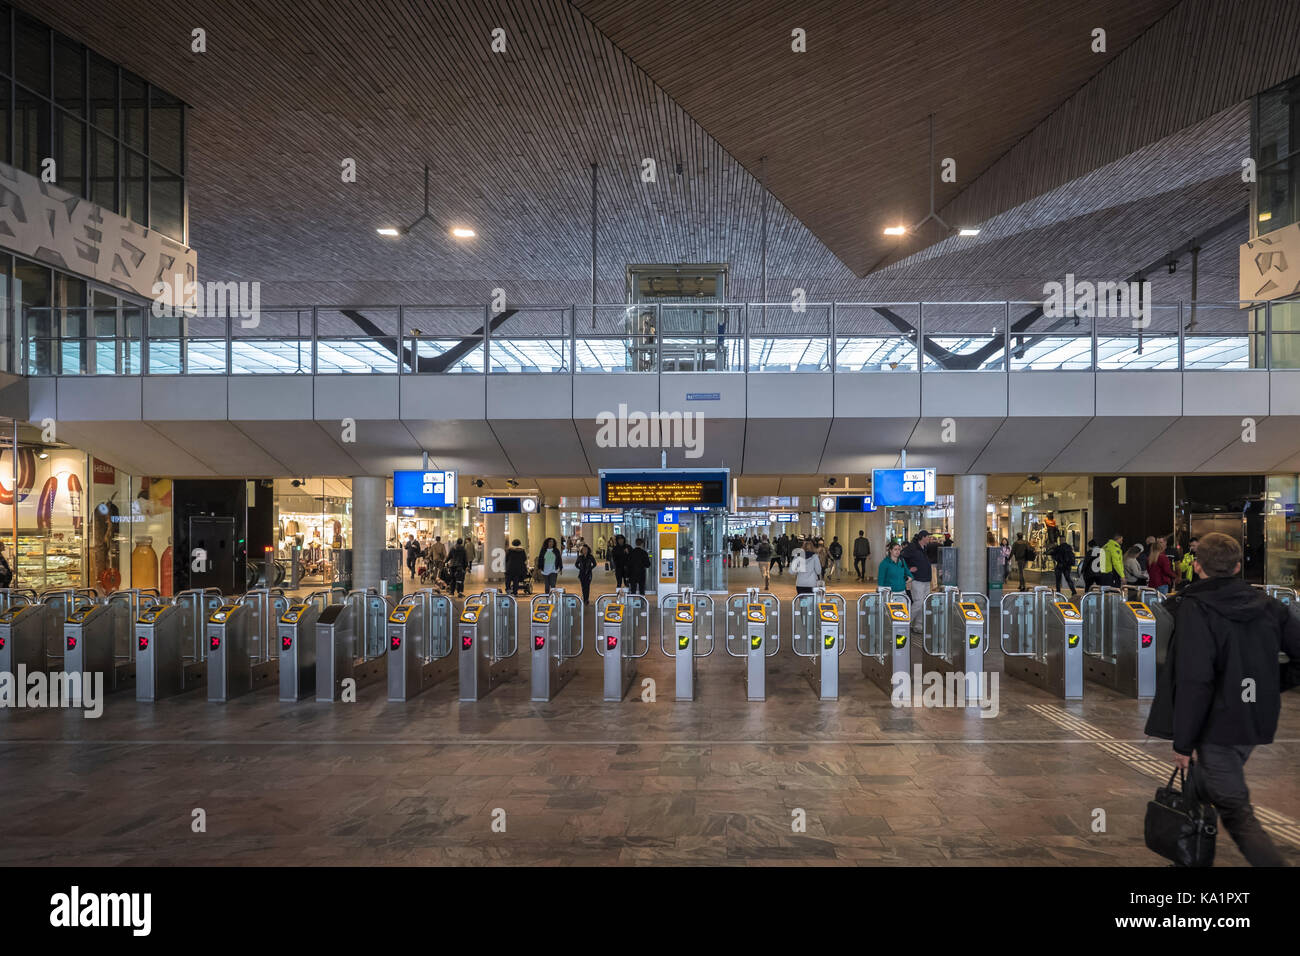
[(460, 232), (904, 230), (1265, 216), (394, 231)]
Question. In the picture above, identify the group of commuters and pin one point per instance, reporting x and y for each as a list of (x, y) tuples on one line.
[(446, 564), (1107, 564)]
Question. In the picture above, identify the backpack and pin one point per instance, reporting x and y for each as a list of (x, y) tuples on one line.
[(1030, 554)]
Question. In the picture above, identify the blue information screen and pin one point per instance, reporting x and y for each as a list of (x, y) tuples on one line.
[(902, 487), (424, 489)]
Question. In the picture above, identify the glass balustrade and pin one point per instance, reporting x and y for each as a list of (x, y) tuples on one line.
[(660, 338)]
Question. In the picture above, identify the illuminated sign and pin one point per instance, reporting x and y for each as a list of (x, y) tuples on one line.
[(611, 642), (783, 517), (854, 503), (683, 642), (902, 487), (1146, 640), (681, 488), (72, 643), (539, 642), (144, 643), (286, 643), (828, 640), (602, 517), (974, 640), (756, 641), (395, 642), (900, 640), (424, 489), (466, 643), (214, 643)]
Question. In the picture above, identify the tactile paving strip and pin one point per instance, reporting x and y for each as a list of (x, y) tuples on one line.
[(1277, 825)]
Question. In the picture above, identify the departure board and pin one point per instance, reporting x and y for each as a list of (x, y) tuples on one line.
[(666, 488)]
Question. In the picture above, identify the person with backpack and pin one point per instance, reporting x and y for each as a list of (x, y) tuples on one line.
[(1091, 564), (836, 551), (457, 565), (1226, 640), (619, 555), (918, 564), (1020, 551), (1063, 564), (1112, 564), (861, 551), (412, 553), (806, 568)]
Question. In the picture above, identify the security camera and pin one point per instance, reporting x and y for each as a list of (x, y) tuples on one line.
[(478, 482), (830, 482)]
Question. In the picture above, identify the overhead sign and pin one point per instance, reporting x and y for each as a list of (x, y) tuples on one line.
[(784, 517), (675, 488), (902, 487), (424, 489), (854, 503), (602, 517), (507, 506)]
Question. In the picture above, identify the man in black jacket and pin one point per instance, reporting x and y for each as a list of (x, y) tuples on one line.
[(1222, 695), (917, 559), (861, 551), (638, 563), (516, 566)]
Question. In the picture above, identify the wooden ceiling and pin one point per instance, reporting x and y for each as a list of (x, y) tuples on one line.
[(844, 125), (286, 91)]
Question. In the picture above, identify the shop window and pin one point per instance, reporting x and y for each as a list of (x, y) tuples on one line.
[(70, 136), (31, 131), (134, 188), (133, 111), (166, 138), (166, 203), (103, 172)]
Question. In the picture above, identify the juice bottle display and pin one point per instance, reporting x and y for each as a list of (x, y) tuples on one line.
[(144, 564), (165, 573)]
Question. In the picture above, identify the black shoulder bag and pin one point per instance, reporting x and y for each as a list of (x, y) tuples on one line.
[(1179, 827)]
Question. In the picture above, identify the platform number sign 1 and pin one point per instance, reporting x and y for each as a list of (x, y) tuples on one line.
[(1121, 485)]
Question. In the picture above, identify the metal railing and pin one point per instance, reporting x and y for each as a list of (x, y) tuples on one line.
[(657, 338)]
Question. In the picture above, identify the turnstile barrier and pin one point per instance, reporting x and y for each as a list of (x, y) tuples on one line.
[(558, 632), (1045, 631), (1119, 642), (884, 636), (22, 632), (954, 636), (420, 648), (90, 646), (242, 652), (489, 640), (817, 633), (754, 635), (687, 617), (624, 625)]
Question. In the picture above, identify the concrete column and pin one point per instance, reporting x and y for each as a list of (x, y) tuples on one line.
[(519, 529), (552, 518), (369, 512), (494, 544), (970, 511)]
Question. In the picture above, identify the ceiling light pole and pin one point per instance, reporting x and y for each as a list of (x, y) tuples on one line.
[(593, 245)]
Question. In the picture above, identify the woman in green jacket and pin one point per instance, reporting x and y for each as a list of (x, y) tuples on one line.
[(893, 573)]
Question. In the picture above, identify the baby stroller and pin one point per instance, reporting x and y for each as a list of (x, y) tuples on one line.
[(526, 585)]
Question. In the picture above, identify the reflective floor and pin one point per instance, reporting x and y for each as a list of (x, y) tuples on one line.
[(718, 780)]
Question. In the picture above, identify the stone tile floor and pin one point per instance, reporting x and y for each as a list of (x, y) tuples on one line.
[(714, 781)]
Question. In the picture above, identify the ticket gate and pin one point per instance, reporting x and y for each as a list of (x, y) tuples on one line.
[(1045, 632), (688, 617), (1148, 596), (60, 602), (488, 642), (884, 632), (350, 642), (754, 634), (242, 655), (1284, 594), (419, 643), (817, 626), (296, 629), (91, 645), (1119, 642), (559, 635), (22, 632), (954, 636), (170, 656), (624, 625)]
